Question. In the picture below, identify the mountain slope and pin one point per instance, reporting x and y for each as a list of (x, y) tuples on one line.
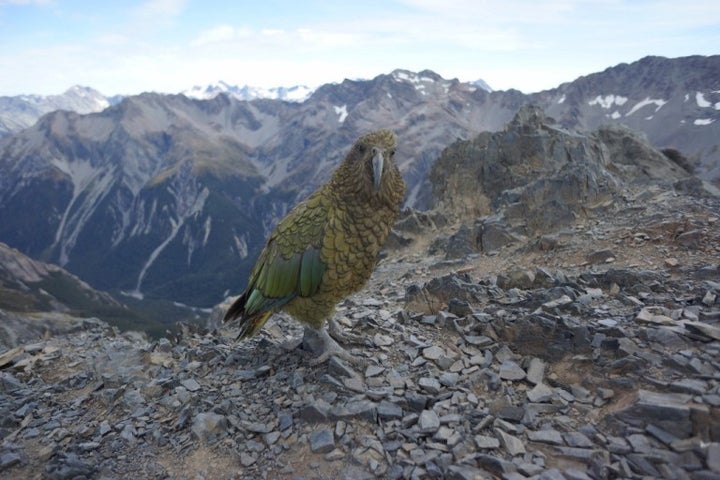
[(674, 102), (119, 187), (169, 197), (172, 197), (37, 298), (27, 285)]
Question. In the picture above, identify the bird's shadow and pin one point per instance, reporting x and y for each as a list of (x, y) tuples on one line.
[(282, 343), (279, 344)]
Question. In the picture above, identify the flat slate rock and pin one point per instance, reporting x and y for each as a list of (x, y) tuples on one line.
[(322, 441), (509, 370), (428, 421)]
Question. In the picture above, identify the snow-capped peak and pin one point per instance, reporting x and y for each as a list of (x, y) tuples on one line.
[(426, 77), (429, 79), (297, 93), (91, 99), (481, 84)]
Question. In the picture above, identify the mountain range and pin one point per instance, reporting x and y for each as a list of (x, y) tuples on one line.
[(171, 197), (21, 111), (297, 93)]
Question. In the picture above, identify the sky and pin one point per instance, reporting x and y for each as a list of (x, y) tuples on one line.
[(128, 47)]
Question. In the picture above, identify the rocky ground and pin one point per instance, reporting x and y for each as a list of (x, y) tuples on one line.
[(591, 353)]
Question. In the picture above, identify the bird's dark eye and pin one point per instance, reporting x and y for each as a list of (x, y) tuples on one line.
[(361, 148), (392, 152)]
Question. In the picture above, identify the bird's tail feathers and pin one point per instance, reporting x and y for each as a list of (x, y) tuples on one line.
[(236, 309), (249, 324)]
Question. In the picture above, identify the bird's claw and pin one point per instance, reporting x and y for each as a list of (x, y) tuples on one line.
[(336, 332), (329, 347)]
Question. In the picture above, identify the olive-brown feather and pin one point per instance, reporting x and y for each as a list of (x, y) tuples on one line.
[(327, 246)]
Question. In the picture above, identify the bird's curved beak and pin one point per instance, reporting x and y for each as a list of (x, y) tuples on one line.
[(378, 161)]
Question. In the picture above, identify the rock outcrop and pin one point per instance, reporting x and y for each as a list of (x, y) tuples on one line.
[(536, 178)]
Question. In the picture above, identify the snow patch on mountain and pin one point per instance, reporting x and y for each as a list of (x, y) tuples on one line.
[(701, 102), (417, 80), (608, 101), (643, 103), (405, 76), (342, 112), (430, 84)]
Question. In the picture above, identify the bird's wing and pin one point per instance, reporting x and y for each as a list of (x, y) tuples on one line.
[(289, 266)]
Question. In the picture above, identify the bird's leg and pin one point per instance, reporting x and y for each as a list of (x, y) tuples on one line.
[(336, 332), (327, 347)]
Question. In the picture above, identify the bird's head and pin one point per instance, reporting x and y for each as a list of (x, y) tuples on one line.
[(369, 162)]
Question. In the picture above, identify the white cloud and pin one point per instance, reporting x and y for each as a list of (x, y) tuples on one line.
[(278, 42), (221, 33), (168, 45)]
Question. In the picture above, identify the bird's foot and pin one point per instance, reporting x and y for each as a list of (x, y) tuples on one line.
[(320, 340), (336, 332)]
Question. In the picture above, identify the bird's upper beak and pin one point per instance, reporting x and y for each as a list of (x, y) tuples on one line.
[(378, 161)]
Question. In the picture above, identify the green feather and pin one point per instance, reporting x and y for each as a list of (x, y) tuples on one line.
[(279, 279), (255, 302), (287, 270), (269, 288), (305, 277), (318, 270), (309, 269)]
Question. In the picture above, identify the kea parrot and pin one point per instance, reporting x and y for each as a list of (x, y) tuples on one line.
[(327, 246)]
